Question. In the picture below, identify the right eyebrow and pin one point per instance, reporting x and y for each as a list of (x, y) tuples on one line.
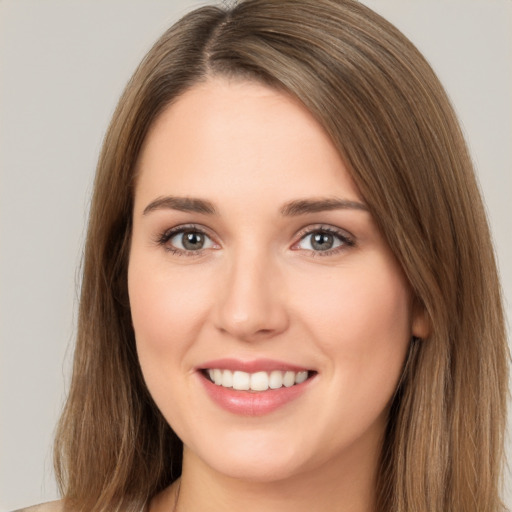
[(183, 204)]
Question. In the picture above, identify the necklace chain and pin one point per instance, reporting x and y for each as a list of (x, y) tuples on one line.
[(176, 496)]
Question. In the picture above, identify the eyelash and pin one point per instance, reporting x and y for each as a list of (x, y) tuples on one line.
[(167, 235), (346, 240)]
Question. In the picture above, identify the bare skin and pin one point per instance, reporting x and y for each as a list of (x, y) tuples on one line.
[(245, 271)]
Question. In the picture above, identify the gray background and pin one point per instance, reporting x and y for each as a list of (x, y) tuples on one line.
[(63, 65)]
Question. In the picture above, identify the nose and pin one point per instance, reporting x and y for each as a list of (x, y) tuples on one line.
[(251, 305)]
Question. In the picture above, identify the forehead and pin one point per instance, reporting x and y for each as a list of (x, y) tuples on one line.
[(226, 138)]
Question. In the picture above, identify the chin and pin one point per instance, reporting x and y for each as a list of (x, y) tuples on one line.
[(255, 459), (259, 470)]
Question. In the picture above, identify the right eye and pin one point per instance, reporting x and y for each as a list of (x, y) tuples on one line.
[(186, 240)]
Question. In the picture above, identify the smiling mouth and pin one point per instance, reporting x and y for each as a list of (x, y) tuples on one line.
[(258, 381)]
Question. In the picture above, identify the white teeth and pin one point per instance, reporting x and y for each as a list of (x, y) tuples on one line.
[(259, 381), (227, 379), (301, 377), (241, 381), (217, 377), (289, 379), (276, 380)]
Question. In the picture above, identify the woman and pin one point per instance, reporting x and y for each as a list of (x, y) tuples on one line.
[(289, 296)]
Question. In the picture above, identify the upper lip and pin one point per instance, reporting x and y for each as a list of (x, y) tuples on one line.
[(253, 366)]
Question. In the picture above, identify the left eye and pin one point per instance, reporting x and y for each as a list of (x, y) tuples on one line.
[(321, 240), (191, 240)]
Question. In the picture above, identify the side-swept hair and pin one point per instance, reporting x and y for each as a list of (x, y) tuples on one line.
[(394, 127)]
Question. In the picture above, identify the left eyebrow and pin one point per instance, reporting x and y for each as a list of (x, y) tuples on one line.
[(303, 206)]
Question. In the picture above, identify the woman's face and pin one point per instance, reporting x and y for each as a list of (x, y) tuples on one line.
[(255, 262)]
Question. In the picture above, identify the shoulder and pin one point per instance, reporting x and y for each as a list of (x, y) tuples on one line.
[(51, 506)]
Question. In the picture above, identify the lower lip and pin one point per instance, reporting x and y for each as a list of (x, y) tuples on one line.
[(250, 403)]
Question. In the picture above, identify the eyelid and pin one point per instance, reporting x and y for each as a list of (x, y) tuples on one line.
[(164, 237), (347, 239)]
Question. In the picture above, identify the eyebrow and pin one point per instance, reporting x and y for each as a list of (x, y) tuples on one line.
[(291, 209), (304, 206), (184, 204)]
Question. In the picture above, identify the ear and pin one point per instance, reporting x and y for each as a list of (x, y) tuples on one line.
[(420, 325)]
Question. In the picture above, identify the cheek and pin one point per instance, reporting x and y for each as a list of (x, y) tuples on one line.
[(362, 326), (361, 320), (167, 311), (361, 305)]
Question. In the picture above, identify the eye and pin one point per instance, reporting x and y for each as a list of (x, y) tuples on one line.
[(324, 240), (184, 239), (191, 241)]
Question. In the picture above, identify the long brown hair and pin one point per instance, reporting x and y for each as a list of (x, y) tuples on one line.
[(390, 118)]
